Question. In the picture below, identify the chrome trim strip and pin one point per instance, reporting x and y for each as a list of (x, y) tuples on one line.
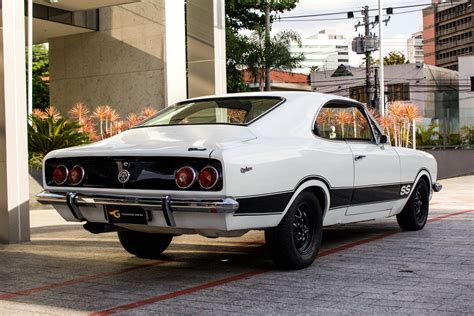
[(226, 205)]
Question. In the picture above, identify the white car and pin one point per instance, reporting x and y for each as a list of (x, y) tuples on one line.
[(288, 163)]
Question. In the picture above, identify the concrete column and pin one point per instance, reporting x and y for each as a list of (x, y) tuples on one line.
[(14, 211), (175, 52), (205, 22)]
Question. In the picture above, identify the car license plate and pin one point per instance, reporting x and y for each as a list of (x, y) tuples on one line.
[(126, 214)]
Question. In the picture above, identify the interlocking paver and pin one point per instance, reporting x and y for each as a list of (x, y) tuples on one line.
[(427, 272)]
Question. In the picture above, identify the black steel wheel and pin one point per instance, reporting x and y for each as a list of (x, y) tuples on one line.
[(415, 213), (144, 245), (295, 242), (303, 224)]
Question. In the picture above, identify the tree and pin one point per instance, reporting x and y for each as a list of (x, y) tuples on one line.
[(274, 55), (238, 47), (246, 15), (40, 76), (251, 14), (394, 58)]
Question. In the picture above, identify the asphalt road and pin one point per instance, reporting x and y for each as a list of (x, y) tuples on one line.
[(370, 268)]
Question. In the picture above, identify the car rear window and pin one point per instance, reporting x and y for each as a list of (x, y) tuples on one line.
[(236, 111)]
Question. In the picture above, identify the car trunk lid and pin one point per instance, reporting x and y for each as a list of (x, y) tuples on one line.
[(178, 140)]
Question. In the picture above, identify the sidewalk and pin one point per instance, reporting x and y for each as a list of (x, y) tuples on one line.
[(370, 268)]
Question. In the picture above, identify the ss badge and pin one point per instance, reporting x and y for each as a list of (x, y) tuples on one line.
[(405, 189)]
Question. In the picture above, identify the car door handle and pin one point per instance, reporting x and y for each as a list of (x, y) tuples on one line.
[(359, 157)]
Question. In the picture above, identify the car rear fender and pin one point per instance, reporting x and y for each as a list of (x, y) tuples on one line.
[(318, 187)]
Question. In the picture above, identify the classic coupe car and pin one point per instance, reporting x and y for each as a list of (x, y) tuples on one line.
[(286, 163)]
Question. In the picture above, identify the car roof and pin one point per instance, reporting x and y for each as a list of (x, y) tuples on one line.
[(282, 94), (299, 109)]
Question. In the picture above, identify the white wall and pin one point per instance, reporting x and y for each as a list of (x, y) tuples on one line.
[(466, 97)]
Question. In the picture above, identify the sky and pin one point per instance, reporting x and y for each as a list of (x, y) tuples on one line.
[(399, 28)]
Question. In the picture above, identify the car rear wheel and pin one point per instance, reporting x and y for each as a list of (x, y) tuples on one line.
[(295, 242), (144, 245), (415, 212)]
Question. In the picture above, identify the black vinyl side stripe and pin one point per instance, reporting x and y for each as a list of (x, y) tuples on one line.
[(340, 197), (274, 203)]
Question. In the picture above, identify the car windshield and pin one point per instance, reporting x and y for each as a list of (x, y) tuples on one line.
[(237, 111)]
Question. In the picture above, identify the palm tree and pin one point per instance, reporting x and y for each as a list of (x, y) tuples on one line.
[(100, 113), (147, 112), (343, 118), (79, 111), (275, 55), (132, 119), (52, 112)]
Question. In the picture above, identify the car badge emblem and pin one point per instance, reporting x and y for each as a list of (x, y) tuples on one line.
[(123, 176), (125, 164)]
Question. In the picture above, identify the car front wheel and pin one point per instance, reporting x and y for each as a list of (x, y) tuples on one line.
[(144, 245), (415, 213), (295, 242)]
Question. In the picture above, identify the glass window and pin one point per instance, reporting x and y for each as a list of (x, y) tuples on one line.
[(472, 83), (398, 92), (239, 111), (342, 122)]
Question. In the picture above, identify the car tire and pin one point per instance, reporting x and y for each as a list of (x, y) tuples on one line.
[(144, 245), (295, 242), (415, 213)]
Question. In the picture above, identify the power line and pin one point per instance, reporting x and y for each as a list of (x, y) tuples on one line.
[(351, 10)]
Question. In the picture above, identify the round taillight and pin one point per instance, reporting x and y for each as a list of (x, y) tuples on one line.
[(76, 174), (60, 174), (208, 177), (185, 177)]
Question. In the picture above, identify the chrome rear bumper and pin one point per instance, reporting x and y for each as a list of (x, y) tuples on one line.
[(166, 204)]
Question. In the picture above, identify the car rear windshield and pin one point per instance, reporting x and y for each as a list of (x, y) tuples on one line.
[(237, 111)]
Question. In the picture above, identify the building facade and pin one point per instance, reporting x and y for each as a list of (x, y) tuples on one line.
[(415, 48), (145, 53), (433, 89), (466, 91), (125, 53), (326, 50), (448, 32)]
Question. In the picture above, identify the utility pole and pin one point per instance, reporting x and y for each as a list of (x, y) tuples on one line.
[(267, 46), (381, 70), (368, 85), (367, 44)]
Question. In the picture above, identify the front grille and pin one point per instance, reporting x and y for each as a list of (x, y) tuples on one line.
[(146, 173)]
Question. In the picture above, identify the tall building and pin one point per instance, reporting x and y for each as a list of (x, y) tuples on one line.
[(326, 50), (415, 48), (448, 32)]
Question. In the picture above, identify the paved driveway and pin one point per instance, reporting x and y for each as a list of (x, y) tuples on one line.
[(369, 268)]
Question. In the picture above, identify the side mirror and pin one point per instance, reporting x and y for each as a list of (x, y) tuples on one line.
[(383, 139)]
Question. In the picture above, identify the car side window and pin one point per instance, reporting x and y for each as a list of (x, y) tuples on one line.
[(343, 122)]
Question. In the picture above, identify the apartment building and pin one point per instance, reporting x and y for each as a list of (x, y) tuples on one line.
[(448, 32), (415, 52), (327, 50)]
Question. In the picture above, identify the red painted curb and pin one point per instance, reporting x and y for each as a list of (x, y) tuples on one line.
[(75, 281), (189, 290)]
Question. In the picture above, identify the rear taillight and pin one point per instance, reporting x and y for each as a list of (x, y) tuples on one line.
[(76, 175), (185, 177), (208, 177), (60, 174)]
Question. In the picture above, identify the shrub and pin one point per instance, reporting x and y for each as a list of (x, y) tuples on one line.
[(51, 133)]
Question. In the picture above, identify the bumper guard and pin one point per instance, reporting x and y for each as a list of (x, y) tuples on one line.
[(165, 203)]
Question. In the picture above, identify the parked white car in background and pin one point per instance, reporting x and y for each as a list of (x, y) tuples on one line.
[(288, 163)]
